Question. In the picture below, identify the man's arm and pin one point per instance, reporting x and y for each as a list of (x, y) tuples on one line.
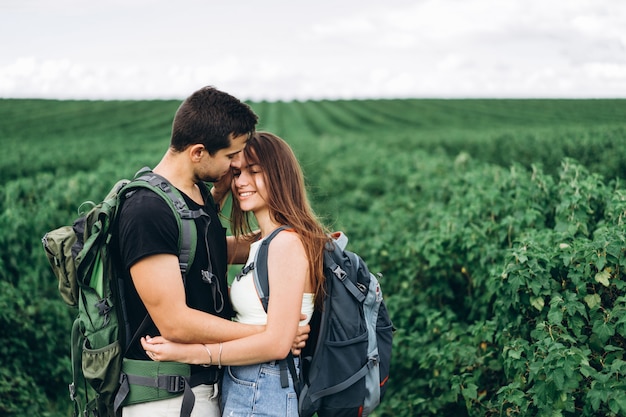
[(159, 283)]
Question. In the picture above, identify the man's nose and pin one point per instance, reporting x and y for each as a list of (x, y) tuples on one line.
[(235, 162)]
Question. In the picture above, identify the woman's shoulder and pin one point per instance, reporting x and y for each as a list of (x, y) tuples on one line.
[(287, 240), (288, 234), (287, 253)]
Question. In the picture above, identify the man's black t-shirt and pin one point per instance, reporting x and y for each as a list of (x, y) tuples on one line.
[(146, 227)]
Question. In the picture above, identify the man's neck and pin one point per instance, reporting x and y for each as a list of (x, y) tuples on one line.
[(171, 167)]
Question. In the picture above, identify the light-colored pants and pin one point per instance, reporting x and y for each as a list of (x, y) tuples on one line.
[(206, 405)]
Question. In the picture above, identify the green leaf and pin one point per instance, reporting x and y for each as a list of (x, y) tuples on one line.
[(470, 392), (592, 300), (537, 302), (514, 354), (603, 277), (595, 397), (603, 330), (555, 315), (620, 402), (558, 376)]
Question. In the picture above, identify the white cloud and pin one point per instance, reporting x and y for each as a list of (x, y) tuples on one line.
[(354, 25), (280, 51), (606, 71)]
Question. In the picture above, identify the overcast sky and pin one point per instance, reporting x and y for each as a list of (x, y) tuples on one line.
[(335, 49)]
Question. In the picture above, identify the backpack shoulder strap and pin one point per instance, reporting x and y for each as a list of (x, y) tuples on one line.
[(333, 257), (259, 267), (187, 241), (187, 238), (261, 282), (260, 262)]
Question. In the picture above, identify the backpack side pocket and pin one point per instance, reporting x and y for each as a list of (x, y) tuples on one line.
[(58, 248)]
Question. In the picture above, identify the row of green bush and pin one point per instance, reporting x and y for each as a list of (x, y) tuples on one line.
[(66, 136), (504, 278), (506, 284)]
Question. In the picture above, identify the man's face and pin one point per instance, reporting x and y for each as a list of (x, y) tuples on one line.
[(216, 166)]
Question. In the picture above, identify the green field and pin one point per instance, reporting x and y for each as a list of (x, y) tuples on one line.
[(498, 226)]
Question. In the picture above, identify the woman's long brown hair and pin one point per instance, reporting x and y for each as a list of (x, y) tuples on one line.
[(287, 201)]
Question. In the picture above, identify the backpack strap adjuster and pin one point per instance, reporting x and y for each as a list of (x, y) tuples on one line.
[(244, 271), (175, 384)]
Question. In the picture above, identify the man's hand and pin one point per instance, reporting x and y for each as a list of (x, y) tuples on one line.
[(221, 188)]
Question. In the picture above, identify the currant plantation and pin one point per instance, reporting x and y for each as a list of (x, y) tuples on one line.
[(498, 226)]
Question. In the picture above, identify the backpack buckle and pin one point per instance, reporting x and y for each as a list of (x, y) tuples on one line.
[(72, 388), (184, 213), (103, 309), (176, 384), (340, 273)]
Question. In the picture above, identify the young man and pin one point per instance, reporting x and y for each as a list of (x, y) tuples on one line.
[(209, 131)]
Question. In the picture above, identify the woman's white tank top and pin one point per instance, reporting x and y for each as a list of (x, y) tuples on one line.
[(246, 302)]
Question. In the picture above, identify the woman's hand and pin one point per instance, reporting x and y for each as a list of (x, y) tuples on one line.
[(160, 349)]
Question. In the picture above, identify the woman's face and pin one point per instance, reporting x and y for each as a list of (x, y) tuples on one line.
[(249, 185)]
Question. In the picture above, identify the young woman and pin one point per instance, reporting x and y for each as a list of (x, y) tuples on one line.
[(268, 182)]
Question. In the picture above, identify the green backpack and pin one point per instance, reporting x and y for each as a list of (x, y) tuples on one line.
[(83, 259)]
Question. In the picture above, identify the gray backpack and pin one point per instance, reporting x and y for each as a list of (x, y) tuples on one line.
[(344, 368)]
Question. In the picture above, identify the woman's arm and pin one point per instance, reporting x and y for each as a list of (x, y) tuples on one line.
[(288, 274)]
